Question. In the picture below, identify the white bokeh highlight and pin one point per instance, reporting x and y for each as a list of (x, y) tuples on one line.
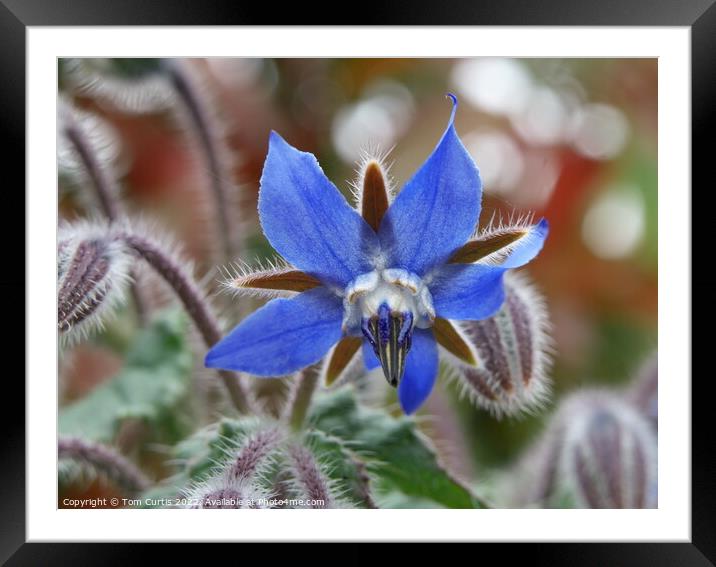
[(599, 131), (493, 85), (613, 227), (377, 120)]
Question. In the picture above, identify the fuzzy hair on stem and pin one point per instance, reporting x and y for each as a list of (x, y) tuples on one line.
[(254, 454), (309, 482), (210, 140), (93, 78), (105, 461), (167, 263), (90, 144), (177, 87), (240, 477), (302, 389), (136, 238)]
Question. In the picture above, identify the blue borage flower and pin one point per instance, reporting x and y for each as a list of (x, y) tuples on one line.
[(392, 276)]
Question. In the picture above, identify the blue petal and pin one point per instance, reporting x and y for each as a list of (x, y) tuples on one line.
[(527, 247), (436, 211), (421, 369), (283, 336), (468, 291), (369, 359), (308, 221)]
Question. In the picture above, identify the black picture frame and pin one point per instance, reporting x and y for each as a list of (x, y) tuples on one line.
[(17, 15)]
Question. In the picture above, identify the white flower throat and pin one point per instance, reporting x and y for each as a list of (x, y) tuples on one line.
[(385, 306)]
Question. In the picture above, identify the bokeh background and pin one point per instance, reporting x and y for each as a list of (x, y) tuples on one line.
[(574, 140)]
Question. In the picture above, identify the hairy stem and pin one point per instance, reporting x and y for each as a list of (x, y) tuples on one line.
[(208, 142), (309, 478), (195, 304), (363, 483), (299, 398), (104, 460), (106, 189)]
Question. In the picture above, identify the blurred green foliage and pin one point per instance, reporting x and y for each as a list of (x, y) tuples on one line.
[(152, 387)]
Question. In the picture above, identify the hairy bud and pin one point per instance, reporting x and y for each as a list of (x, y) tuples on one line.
[(104, 461), (254, 454), (92, 277), (239, 481), (310, 483), (599, 452), (513, 349)]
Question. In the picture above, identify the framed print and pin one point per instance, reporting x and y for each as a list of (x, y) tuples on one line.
[(360, 284)]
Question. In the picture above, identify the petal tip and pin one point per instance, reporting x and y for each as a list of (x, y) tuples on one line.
[(275, 138), (453, 98), (408, 409), (543, 227), (210, 360)]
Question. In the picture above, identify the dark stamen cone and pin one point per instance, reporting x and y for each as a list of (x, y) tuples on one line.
[(374, 197), (597, 452), (93, 271), (390, 333), (512, 350)]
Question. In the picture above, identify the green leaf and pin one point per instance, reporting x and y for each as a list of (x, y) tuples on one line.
[(152, 386), (404, 471), (399, 456)]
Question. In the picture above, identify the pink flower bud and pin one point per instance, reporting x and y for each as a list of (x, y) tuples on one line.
[(513, 349)]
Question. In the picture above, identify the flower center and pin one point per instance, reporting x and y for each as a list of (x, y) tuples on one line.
[(385, 306)]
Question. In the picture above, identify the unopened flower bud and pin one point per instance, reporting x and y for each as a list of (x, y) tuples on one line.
[(513, 353), (599, 452), (310, 482), (238, 481), (92, 276), (253, 456)]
